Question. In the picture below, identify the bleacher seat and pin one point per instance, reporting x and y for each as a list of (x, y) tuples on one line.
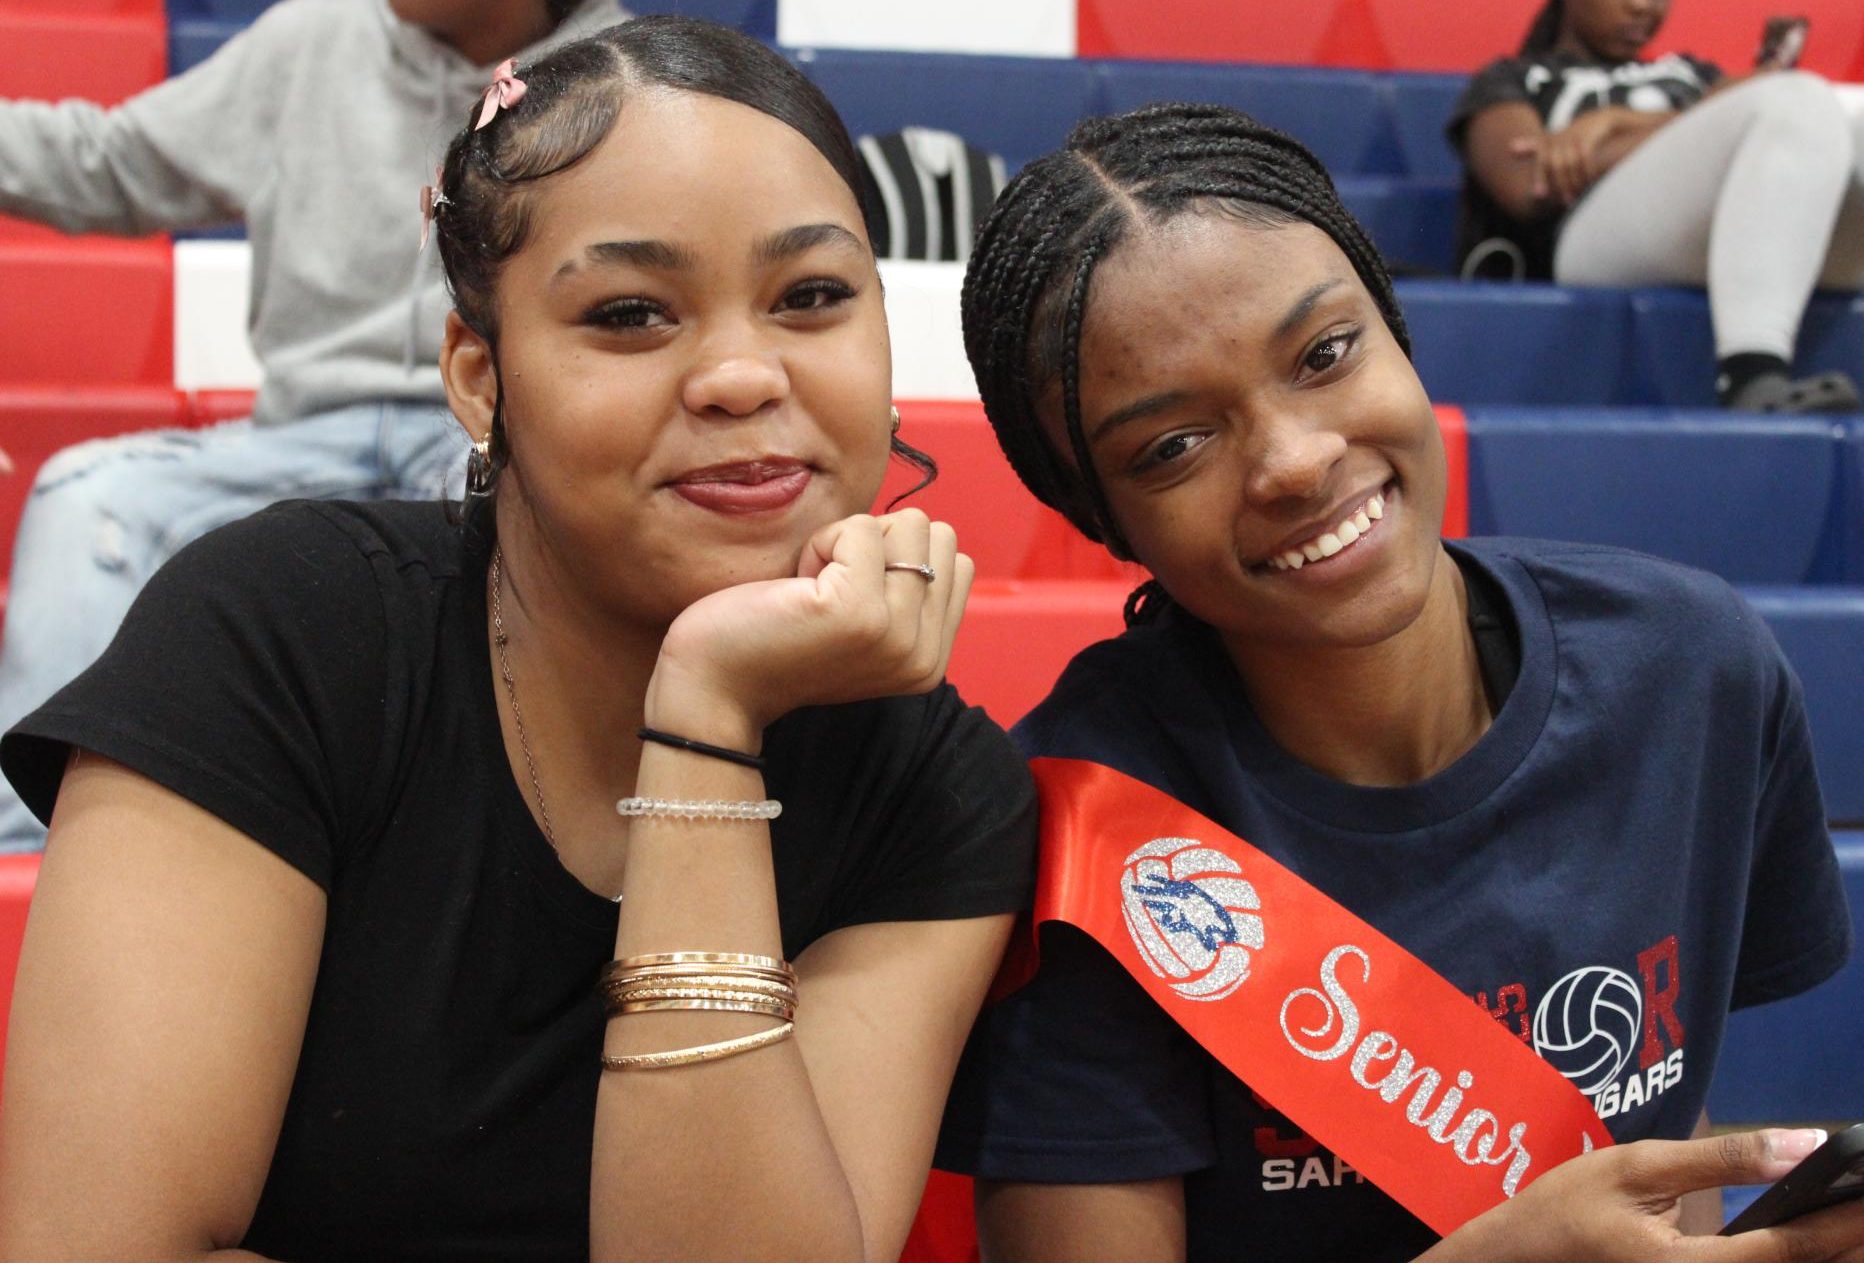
[(1797, 1060), (100, 56), (1342, 115), (1449, 37), (1490, 343), (1017, 637), (1411, 221), (238, 12), (1748, 498), (1285, 32), (35, 423), (93, 311), (1421, 106), (192, 41), (1673, 346), (1019, 107), (1851, 524), (1821, 631), (18, 873), (753, 17), (87, 8)]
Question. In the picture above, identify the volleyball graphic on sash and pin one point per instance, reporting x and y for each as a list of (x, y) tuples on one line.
[(1587, 1025), (1191, 914)]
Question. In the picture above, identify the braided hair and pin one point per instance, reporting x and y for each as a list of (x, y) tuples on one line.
[(1545, 33), (572, 99), (1031, 274)]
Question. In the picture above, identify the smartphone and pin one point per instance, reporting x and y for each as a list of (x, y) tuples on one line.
[(1782, 41), (1833, 1173)]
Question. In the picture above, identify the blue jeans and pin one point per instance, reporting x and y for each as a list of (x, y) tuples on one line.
[(105, 515)]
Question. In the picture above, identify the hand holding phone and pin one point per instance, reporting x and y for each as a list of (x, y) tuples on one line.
[(1782, 41), (1831, 1174)]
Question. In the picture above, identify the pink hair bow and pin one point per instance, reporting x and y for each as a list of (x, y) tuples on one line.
[(432, 199), (506, 91)]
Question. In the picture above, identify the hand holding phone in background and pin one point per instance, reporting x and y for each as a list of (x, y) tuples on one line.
[(1782, 41)]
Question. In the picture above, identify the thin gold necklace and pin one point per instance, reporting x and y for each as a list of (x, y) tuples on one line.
[(511, 691)]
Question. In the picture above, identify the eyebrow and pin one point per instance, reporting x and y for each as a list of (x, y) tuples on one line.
[(1304, 306), (659, 256), (791, 242), (664, 256), (1134, 411)]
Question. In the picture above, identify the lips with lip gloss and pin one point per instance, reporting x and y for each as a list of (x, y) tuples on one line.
[(750, 487)]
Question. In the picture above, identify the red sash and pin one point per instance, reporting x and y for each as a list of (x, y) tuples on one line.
[(1364, 1046)]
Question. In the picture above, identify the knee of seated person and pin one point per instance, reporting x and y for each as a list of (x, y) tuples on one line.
[(1807, 113)]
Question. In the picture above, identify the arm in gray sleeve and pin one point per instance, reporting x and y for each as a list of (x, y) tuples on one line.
[(187, 152)]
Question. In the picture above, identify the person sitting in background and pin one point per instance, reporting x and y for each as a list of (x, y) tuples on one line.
[(366, 823), (1592, 166), (311, 126)]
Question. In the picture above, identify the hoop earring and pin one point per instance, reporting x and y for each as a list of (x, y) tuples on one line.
[(896, 419), (479, 477)]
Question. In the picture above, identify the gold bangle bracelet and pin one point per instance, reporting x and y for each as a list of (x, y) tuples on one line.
[(624, 994), (786, 1012), (701, 1052), (703, 975), (700, 958), (704, 982)]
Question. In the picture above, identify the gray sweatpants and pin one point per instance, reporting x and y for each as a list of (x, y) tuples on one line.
[(1756, 193)]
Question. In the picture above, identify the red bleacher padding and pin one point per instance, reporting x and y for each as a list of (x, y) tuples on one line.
[(1456, 470), (1203, 30), (105, 57), (96, 313), (1434, 35), (1727, 32), (1017, 636), (1006, 531), (210, 407), (18, 873), (34, 423)]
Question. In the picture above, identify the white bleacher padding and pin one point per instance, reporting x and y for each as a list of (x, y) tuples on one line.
[(212, 353), (1029, 28), (211, 283)]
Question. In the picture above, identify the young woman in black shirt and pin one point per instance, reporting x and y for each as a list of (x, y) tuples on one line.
[(1592, 165), (358, 809)]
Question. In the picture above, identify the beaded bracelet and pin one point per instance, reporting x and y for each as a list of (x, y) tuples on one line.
[(700, 808)]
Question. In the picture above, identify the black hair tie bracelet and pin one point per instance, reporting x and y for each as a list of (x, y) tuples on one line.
[(700, 747)]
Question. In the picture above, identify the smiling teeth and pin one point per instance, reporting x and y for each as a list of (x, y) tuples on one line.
[(1333, 542)]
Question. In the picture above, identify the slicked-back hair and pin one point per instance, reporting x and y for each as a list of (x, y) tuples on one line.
[(573, 97), (1030, 279)]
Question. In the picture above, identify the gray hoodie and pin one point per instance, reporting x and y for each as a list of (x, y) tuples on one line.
[(317, 125)]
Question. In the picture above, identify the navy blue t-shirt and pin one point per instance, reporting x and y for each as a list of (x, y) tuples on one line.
[(1634, 848)]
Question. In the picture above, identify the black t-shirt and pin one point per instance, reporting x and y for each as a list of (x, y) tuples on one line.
[(317, 676), (1561, 87)]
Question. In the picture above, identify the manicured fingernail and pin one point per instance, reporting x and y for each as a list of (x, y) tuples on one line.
[(1794, 1145)]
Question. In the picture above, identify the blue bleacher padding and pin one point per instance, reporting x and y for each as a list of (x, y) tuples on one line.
[(1019, 107), (1748, 498), (1797, 1060), (1341, 115), (192, 42), (1421, 106), (1822, 631), (1851, 520), (1482, 343), (237, 12), (753, 17), (1675, 346), (1412, 222)]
